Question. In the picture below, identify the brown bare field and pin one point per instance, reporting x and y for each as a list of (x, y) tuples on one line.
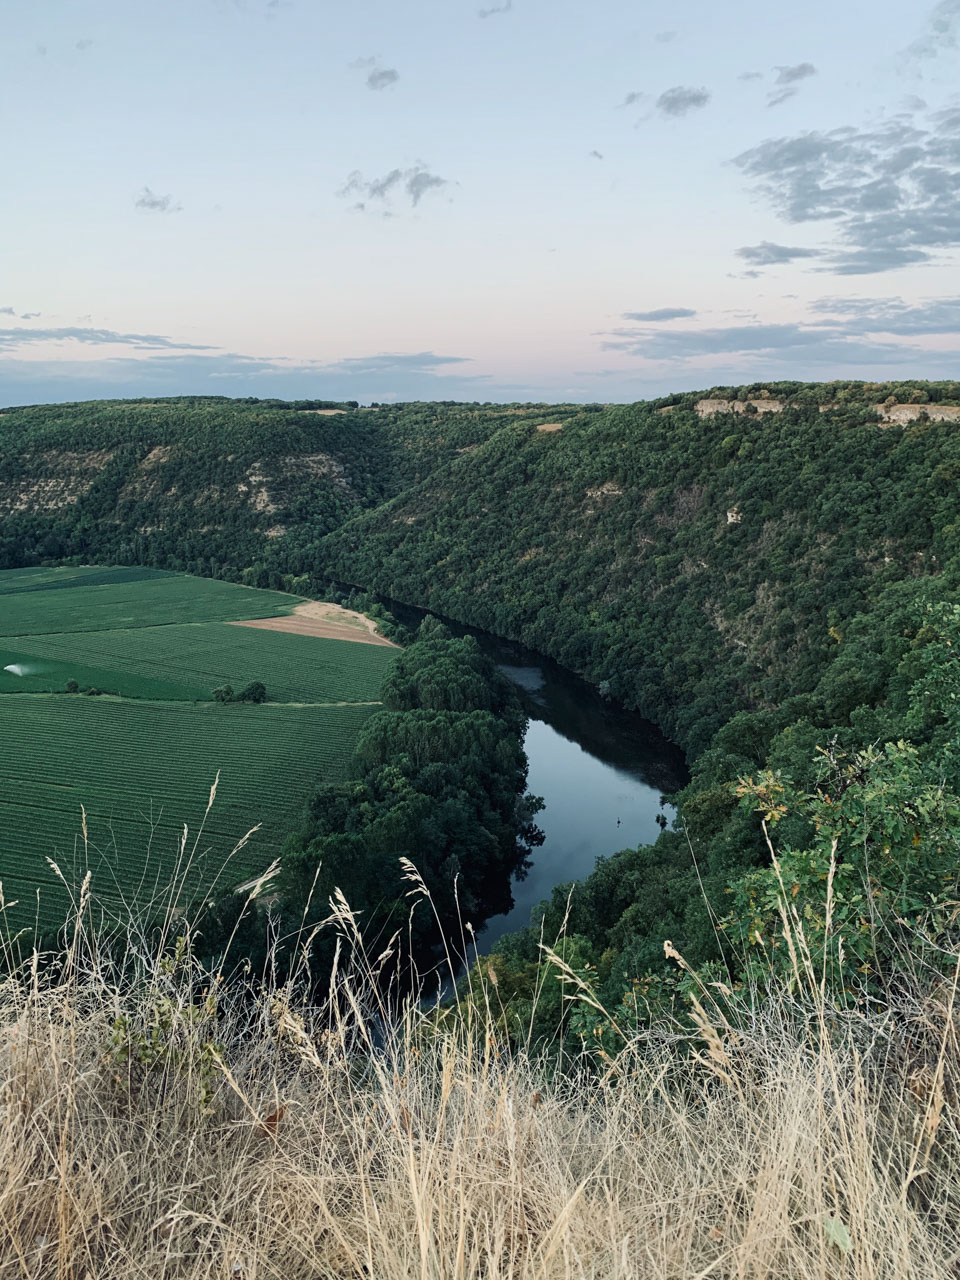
[(550, 426), (324, 620), (324, 413)]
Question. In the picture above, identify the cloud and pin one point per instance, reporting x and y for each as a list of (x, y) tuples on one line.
[(377, 77), (382, 78), (890, 193), (750, 75), (680, 101), (15, 339), (595, 155), (893, 315), (420, 376), (792, 75), (867, 332), (942, 32), (788, 78), (820, 344), (19, 315), (415, 182), (632, 98), (83, 44), (157, 204), (393, 362), (665, 37), (768, 254), (7, 311), (494, 9), (663, 313)]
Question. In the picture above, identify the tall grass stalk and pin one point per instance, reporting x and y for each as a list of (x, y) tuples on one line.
[(160, 1121)]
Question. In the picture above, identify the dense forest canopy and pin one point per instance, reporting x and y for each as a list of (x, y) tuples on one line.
[(768, 571)]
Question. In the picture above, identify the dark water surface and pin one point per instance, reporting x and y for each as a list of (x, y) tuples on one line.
[(601, 771)]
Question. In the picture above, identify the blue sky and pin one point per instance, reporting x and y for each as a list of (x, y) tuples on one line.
[(475, 199)]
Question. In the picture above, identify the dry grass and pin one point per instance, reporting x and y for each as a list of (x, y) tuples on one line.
[(155, 1123)]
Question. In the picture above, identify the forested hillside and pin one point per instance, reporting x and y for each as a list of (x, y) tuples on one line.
[(212, 485), (765, 571)]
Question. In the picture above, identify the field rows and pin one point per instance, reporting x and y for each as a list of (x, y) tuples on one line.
[(197, 658), (141, 770), (104, 599)]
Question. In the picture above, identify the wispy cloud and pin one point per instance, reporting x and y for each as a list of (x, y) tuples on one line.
[(16, 339), (788, 79), (414, 183), (662, 313), (680, 101), (382, 78), (495, 9), (394, 362), (893, 315), (794, 74), (837, 331), (378, 77), (154, 203), (890, 192), (941, 33), (768, 254), (422, 375)]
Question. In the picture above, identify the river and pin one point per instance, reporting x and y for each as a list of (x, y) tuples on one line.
[(600, 770)]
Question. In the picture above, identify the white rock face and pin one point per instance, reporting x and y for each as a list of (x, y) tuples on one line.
[(912, 412), (707, 408)]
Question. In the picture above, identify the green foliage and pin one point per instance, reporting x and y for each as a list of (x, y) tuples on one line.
[(439, 785), (876, 882), (170, 1039), (760, 584)]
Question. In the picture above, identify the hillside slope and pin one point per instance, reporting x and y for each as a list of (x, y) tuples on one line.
[(694, 563), (765, 571)]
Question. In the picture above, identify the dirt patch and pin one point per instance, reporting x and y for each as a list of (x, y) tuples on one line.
[(324, 620), (159, 453), (324, 413), (550, 426)]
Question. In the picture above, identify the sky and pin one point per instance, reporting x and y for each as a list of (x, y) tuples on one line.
[(494, 200)]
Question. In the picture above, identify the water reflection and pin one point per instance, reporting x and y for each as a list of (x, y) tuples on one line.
[(601, 771)]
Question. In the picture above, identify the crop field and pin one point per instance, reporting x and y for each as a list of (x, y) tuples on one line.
[(103, 599), (198, 657), (140, 758)]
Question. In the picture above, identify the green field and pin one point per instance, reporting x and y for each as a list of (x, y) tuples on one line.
[(35, 601), (195, 658), (141, 764)]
